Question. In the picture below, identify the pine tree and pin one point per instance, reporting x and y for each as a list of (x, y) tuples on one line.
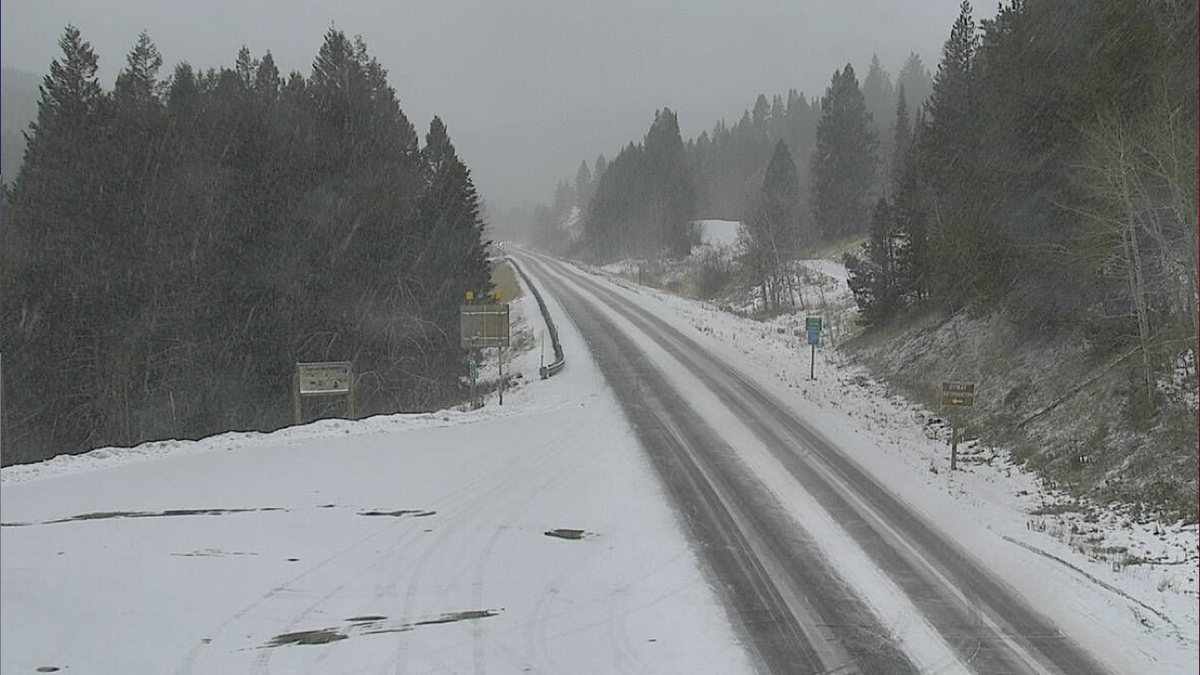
[(454, 227), (71, 105), (953, 133), (452, 244), (137, 84), (772, 234), (778, 118), (901, 136), (950, 153), (583, 185), (266, 78), (761, 114), (245, 66), (843, 165), (917, 82), (879, 95), (874, 278), (910, 215), (56, 263), (673, 199)]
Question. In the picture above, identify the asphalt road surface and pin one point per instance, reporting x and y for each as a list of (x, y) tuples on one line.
[(785, 595)]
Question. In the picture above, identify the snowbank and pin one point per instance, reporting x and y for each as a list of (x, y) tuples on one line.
[(721, 232)]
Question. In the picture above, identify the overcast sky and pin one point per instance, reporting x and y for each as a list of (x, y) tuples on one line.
[(527, 88)]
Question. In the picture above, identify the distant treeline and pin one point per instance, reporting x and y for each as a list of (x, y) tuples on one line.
[(727, 165), (173, 247)]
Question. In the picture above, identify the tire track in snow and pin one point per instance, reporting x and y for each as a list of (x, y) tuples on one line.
[(484, 505), (781, 592), (987, 625)]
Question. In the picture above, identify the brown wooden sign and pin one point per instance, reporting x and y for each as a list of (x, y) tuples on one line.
[(484, 326), (958, 394)]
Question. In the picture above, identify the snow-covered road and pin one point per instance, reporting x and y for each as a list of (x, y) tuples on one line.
[(870, 581), (665, 504)]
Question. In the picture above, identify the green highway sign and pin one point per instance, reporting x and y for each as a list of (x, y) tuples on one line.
[(812, 324)]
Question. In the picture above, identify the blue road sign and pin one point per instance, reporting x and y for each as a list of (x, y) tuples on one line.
[(814, 337)]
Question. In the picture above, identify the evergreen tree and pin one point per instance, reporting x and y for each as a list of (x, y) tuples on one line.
[(953, 133), (914, 77), (245, 66), (645, 199), (55, 259), (673, 200), (455, 249), (901, 135), (951, 155), (874, 278), (583, 185), (761, 114), (266, 78), (843, 165), (137, 84), (778, 118), (879, 95), (772, 232), (911, 225)]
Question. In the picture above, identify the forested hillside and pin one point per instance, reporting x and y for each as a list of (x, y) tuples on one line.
[(1043, 184), (171, 248), (1055, 175)]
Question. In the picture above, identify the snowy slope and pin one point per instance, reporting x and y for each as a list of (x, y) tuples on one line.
[(395, 544), (723, 232)]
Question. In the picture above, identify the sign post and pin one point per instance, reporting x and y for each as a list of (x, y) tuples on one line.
[(474, 376), (956, 395), (813, 325), (326, 378)]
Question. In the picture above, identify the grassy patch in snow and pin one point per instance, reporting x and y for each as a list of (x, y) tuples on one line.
[(505, 280)]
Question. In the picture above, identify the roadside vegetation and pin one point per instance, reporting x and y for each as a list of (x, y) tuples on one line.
[(173, 247)]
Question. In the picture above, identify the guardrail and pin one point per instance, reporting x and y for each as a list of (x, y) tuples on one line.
[(559, 359)]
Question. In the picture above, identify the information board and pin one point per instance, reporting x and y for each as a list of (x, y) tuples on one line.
[(484, 326)]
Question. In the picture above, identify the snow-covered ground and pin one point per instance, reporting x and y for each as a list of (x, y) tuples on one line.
[(1126, 590), (528, 538), (532, 537), (719, 232)]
